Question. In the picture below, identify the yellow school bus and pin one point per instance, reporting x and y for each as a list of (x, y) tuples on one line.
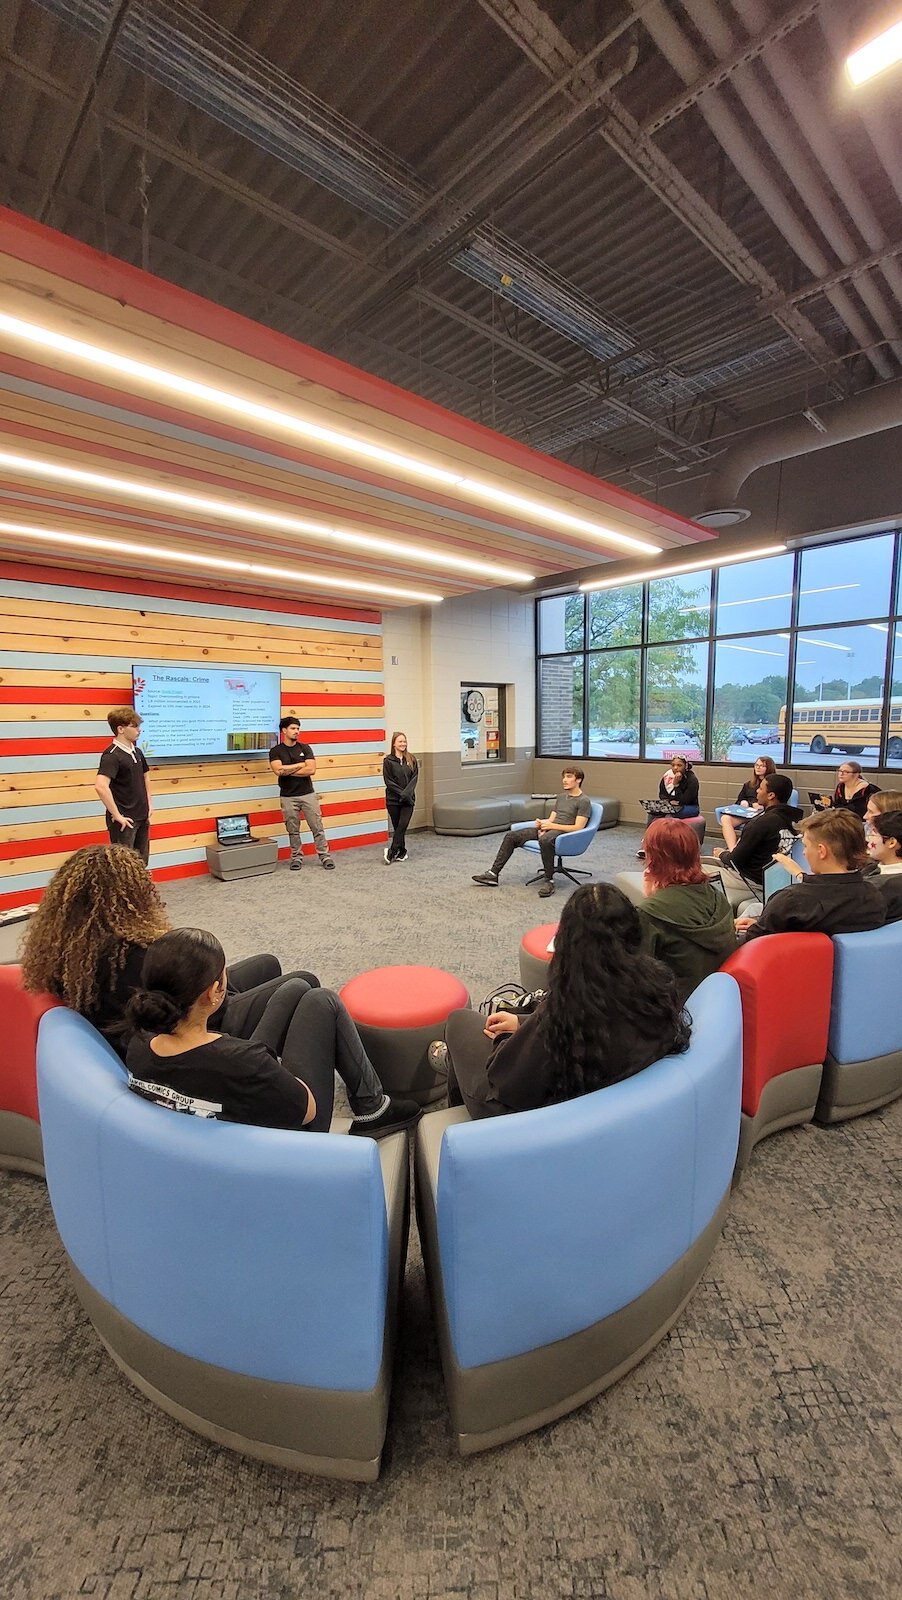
[(849, 726)]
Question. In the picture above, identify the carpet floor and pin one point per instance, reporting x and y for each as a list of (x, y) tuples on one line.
[(756, 1449)]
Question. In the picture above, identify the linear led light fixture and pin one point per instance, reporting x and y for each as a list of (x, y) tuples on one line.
[(750, 650), (236, 512), (875, 56), (247, 410), (671, 572), (759, 599), (188, 558)]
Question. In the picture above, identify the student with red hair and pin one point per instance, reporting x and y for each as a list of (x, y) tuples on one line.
[(687, 920)]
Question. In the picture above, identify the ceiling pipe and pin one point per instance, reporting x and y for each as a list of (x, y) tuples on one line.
[(873, 411), (684, 59), (783, 140)]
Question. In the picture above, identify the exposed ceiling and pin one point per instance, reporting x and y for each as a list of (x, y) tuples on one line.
[(622, 234)]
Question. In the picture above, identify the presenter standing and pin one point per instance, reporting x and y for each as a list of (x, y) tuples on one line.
[(123, 784), (400, 772), (294, 764)]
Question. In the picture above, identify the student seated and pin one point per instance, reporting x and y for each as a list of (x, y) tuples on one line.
[(610, 1011), (677, 794), (852, 791), (833, 896), (746, 802), (87, 941), (687, 922), (278, 1078), (572, 810), (885, 852), (882, 800), (770, 832)]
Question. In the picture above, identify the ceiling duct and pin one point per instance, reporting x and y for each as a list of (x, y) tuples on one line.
[(873, 411)]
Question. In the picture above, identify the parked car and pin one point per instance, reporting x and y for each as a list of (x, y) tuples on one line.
[(764, 736), (740, 736)]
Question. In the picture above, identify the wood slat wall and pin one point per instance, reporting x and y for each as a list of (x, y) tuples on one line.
[(52, 716)]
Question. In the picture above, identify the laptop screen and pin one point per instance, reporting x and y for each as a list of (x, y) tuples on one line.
[(777, 877), (232, 830)]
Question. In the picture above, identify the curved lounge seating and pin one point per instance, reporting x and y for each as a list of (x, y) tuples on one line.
[(245, 1279), (863, 1064), (561, 1244), (784, 1030), (20, 1132)]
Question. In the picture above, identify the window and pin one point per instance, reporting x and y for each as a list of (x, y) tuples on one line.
[(843, 582), (705, 658), (615, 678), (561, 624), (755, 595), (561, 706), (615, 616), (750, 676), (677, 676), (839, 674), (679, 608)]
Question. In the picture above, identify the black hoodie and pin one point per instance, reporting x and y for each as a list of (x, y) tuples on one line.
[(773, 829), (824, 902)]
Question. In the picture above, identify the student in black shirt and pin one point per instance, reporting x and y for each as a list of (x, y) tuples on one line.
[(171, 1045), (123, 784), (833, 896), (294, 765), (399, 774)]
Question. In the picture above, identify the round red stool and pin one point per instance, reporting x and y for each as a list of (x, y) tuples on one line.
[(398, 1012), (535, 957)]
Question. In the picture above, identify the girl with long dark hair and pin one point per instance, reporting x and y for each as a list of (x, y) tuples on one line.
[(283, 1076), (610, 1011), (400, 772)]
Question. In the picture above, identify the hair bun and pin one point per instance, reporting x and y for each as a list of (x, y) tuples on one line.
[(153, 1010)]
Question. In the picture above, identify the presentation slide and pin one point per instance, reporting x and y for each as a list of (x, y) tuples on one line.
[(205, 711)]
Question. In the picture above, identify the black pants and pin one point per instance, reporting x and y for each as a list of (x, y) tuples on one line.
[(136, 838), (517, 837), (400, 813), (253, 983), (469, 1053), (312, 1033)]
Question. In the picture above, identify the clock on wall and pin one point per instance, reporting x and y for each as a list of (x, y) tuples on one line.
[(474, 705)]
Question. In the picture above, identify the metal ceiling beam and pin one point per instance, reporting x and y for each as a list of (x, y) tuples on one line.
[(855, 269), (547, 47), (85, 102), (168, 150)]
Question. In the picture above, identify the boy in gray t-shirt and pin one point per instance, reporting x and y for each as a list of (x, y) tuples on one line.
[(572, 810)]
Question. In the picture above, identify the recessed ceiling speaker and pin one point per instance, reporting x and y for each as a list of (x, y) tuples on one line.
[(727, 517)]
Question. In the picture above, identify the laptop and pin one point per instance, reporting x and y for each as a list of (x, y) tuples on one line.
[(233, 830), (818, 800), (777, 877)]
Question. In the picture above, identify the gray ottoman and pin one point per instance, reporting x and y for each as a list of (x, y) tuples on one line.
[(398, 1011)]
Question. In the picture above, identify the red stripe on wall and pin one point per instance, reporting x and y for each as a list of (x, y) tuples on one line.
[(328, 700), (107, 583), (53, 747), (35, 695), (51, 844)]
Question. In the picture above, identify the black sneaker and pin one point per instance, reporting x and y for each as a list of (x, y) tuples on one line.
[(395, 1114), (546, 889), (328, 863), (490, 879), (295, 866)]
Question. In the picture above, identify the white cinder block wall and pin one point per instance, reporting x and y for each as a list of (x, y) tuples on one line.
[(429, 652)]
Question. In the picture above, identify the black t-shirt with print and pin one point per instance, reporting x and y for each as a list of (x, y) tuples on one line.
[(126, 775), (246, 1079), (292, 784)]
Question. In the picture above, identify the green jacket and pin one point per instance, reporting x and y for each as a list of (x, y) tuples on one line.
[(690, 928)]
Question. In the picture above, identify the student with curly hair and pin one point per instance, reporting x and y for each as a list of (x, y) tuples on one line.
[(610, 1011), (87, 941), (687, 921)]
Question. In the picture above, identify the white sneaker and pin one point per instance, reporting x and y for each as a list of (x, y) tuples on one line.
[(386, 857), (402, 858)]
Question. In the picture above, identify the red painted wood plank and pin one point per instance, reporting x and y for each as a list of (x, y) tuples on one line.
[(36, 695), (108, 583)]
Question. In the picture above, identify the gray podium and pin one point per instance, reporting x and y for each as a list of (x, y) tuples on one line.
[(232, 861)]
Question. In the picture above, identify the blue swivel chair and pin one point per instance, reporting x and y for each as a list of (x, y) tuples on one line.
[(570, 845)]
